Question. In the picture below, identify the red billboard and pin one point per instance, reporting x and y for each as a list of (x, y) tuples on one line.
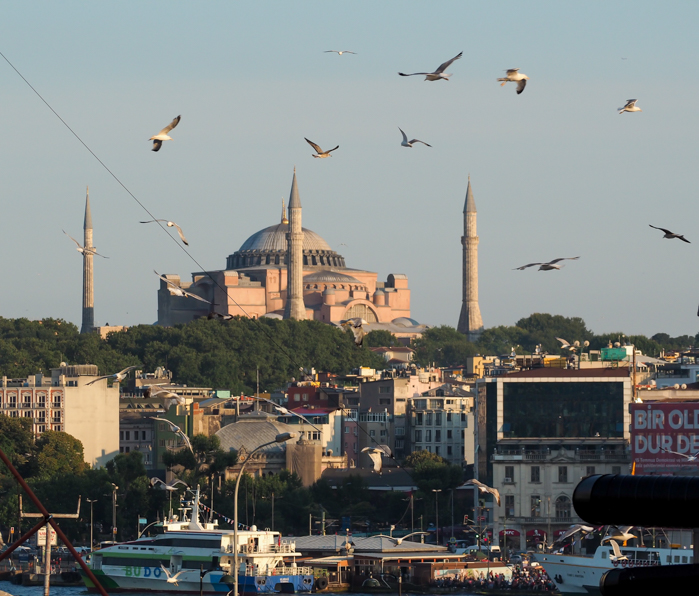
[(665, 437)]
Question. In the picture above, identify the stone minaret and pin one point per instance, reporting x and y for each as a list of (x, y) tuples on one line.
[(88, 273), (470, 321), (294, 308)]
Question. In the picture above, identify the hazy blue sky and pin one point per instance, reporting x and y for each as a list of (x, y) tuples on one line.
[(556, 172)]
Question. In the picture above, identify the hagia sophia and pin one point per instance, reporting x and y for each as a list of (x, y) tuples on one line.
[(255, 282)]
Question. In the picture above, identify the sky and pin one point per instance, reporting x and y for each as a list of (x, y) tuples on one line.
[(555, 171)]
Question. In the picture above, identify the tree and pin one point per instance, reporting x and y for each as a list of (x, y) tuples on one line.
[(380, 338), (58, 454)]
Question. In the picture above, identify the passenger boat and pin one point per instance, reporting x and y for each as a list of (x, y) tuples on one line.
[(580, 574), (191, 556)]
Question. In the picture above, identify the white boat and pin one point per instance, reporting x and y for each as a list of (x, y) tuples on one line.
[(580, 574), (190, 556)]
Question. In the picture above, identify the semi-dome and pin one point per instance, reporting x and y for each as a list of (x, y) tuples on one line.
[(405, 322), (326, 276), (269, 247)]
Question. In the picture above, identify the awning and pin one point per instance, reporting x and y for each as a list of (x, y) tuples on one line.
[(509, 532)]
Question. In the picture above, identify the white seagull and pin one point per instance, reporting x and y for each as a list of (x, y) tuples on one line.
[(622, 533), (171, 224), (338, 52), (356, 326), (629, 107), (566, 344), (169, 398), (484, 488), (217, 315), (513, 75), (400, 540), (172, 579), (319, 151), (618, 556), (670, 235), (547, 266), (692, 457), (437, 74), (163, 136), (406, 143), (376, 454), (116, 377), (82, 250), (177, 430), (178, 291)]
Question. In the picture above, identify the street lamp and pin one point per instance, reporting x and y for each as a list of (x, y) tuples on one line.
[(281, 438), (436, 492), (91, 501), (114, 506)]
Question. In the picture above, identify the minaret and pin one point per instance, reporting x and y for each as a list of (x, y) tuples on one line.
[(294, 308), (470, 321), (88, 274)]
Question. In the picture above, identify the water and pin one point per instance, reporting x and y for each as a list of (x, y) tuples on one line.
[(63, 591)]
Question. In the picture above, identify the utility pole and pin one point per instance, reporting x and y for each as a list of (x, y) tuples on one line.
[(92, 525), (436, 492)]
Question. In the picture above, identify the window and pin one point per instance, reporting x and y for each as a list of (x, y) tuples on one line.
[(438, 436), (297, 397), (562, 473), (162, 443), (143, 435), (372, 433), (428, 436), (347, 429), (463, 416), (127, 449), (41, 428), (127, 435), (509, 474), (121, 435), (448, 416), (589, 470), (509, 506), (41, 416), (438, 418), (449, 450), (563, 507), (384, 389), (437, 450), (13, 400), (41, 399), (383, 433), (57, 427), (28, 414), (121, 450), (436, 404), (27, 400), (400, 431), (536, 474), (418, 419), (385, 401), (418, 436), (535, 506), (428, 419), (400, 444), (420, 404)]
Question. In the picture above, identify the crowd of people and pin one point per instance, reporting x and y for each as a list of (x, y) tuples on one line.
[(532, 579)]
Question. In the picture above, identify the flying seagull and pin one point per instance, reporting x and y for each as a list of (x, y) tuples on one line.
[(622, 533), (484, 489), (547, 266), (400, 540), (163, 136), (172, 579), (692, 457), (566, 344), (356, 326), (670, 235), (82, 250), (116, 377), (169, 398), (177, 430), (574, 529), (437, 74), (286, 412), (178, 291), (338, 52), (515, 76), (217, 315), (406, 143), (629, 107), (170, 224), (618, 556), (319, 151), (376, 454)]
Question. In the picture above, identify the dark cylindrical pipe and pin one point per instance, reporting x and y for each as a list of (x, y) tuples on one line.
[(673, 579), (651, 501)]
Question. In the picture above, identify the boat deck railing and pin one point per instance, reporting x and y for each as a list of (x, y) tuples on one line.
[(254, 570), (265, 549)]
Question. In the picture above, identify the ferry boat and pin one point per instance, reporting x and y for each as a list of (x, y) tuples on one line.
[(580, 574), (191, 556)]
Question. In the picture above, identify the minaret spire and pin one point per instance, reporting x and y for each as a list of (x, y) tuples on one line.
[(294, 307), (470, 321), (88, 273)]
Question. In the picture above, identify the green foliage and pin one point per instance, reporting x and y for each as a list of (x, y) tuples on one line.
[(57, 454), (126, 468), (431, 472), (444, 346), (381, 339), (16, 441)]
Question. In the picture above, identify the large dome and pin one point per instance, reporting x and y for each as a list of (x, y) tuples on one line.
[(269, 247), (273, 238)]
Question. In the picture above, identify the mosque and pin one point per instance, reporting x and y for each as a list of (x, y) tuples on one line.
[(287, 271)]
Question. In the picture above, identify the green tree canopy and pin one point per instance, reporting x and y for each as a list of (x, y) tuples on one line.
[(58, 454)]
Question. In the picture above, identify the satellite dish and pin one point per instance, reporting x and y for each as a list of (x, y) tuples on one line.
[(683, 386), (676, 386), (63, 365)]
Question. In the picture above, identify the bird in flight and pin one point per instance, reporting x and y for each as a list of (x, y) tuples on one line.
[(515, 76), (82, 250), (356, 326), (547, 266), (338, 52), (692, 457), (406, 143), (171, 224), (116, 377), (629, 107), (437, 74), (484, 488), (319, 151), (670, 235), (178, 291), (217, 315), (566, 344), (163, 136), (376, 454), (172, 579)]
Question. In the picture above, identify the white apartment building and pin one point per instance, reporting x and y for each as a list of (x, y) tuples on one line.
[(65, 403)]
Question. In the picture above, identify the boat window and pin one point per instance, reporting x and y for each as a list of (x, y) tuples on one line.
[(136, 562), (677, 558), (684, 559)]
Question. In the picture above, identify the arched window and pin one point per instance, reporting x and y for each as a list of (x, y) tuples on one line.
[(563, 507), (361, 311)]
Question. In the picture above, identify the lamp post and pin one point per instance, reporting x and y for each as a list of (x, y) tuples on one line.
[(91, 501), (114, 506), (281, 438), (436, 492)]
